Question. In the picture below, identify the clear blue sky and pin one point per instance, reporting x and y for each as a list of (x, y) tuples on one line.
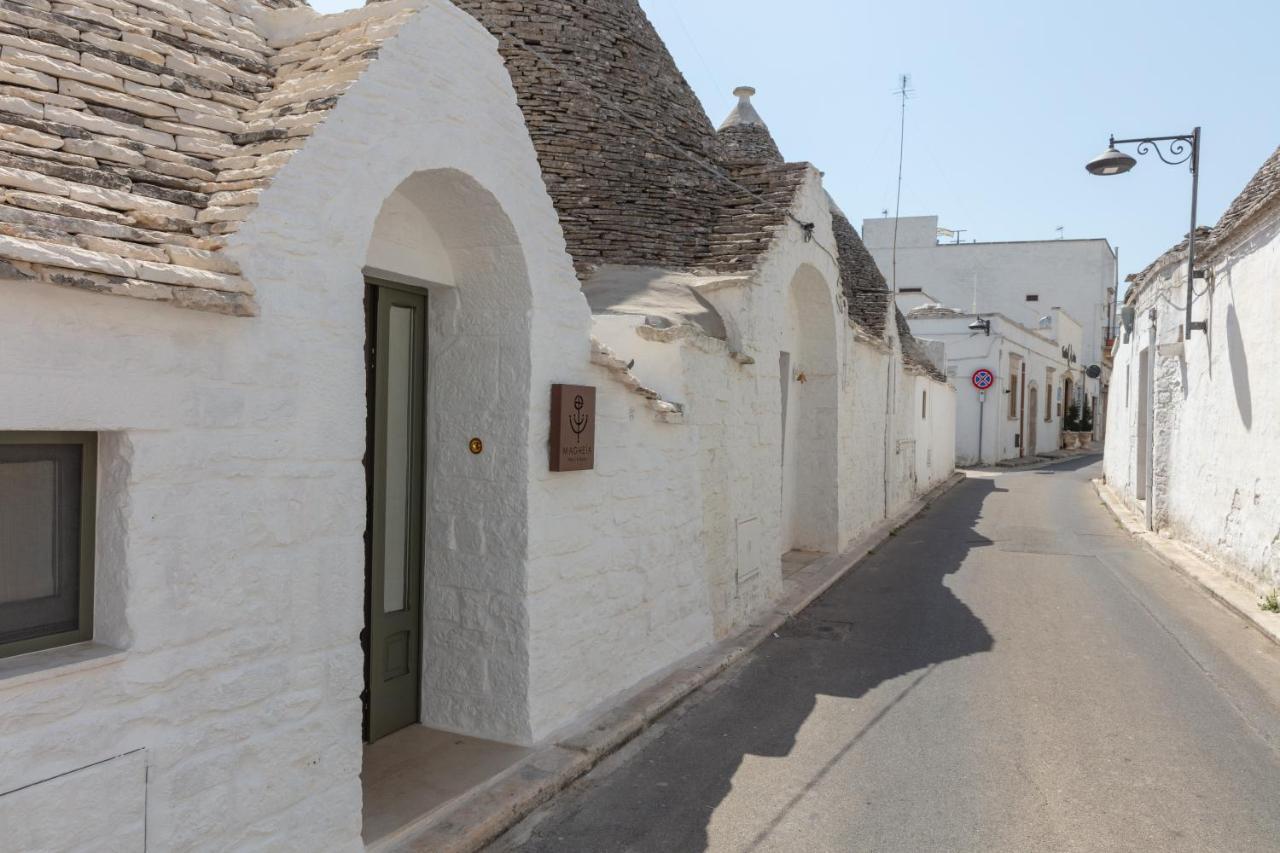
[(1012, 98)]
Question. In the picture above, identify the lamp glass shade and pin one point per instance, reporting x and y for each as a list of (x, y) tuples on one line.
[(1110, 162)]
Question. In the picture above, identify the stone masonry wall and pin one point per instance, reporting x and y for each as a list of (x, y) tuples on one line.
[(1216, 479)]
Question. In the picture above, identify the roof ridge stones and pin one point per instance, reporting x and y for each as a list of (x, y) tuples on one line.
[(137, 135)]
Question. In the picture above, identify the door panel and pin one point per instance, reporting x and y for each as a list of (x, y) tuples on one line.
[(395, 508)]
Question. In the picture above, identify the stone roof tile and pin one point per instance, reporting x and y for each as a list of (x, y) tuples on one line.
[(626, 150), (1259, 194), (914, 354), (135, 136), (865, 289), (1263, 188)]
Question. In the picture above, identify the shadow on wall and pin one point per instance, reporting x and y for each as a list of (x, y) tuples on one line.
[(893, 616), (1239, 368)]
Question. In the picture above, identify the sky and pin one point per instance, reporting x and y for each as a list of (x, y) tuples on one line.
[(1010, 100)]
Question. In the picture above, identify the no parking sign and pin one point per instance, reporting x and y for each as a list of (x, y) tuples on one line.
[(983, 379)]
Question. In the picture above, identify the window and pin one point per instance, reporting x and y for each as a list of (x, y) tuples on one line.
[(1015, 368), (911, 290), (924, 405), (1033, 297), (1048, 403), (47, 498)]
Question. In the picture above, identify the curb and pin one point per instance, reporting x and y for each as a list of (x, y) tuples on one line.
[(1043, 462), (1236, 594), (484, 813)]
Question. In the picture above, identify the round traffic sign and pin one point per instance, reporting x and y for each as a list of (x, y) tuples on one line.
[(983, 379)]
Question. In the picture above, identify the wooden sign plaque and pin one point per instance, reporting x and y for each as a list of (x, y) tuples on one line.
[(573, 427)]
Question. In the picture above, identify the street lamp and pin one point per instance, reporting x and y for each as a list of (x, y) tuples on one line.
[(1184, 148), (980, 325)]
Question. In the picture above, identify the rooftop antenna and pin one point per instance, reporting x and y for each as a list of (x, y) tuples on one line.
[(904, 91), (1059, 230)]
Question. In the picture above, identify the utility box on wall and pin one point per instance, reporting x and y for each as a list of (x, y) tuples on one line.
[(573, 427)]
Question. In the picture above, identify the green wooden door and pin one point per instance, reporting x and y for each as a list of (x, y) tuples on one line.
[(398, 332)]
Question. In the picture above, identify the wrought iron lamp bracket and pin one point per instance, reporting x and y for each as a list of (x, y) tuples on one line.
[(1181, 148)]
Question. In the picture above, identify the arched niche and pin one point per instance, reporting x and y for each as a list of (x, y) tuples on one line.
[(810, 413), (441, 233)]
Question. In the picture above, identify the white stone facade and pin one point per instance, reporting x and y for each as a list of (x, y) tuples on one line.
[(1028, 366), (1203, 413), (1078, 276), (226, 661)]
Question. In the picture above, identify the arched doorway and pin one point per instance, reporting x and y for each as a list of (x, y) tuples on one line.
[(447, 292), (809, 409)]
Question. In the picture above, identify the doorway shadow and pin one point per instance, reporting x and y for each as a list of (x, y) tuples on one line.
[(892, 616)]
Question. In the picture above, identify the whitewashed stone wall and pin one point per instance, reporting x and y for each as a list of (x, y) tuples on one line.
[(1217, 413), (230, 557)]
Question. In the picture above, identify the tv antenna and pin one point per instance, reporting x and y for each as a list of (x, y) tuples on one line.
[(1059, 230), (904, 91)]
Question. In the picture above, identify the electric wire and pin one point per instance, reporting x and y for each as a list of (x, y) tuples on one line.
[(715, 172), (675, 11)]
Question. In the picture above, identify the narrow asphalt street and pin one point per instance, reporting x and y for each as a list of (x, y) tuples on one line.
[(1009, 672)]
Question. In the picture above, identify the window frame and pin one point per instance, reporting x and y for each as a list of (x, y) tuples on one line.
[(1015, 369), (1050, 390), (88, 442)]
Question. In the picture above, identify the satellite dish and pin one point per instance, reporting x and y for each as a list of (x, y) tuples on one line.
[(1093, 371)]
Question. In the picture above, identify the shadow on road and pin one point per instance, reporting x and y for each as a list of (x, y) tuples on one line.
[(892, 616)]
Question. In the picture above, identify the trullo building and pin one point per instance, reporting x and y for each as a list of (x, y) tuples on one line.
[(285, 301)]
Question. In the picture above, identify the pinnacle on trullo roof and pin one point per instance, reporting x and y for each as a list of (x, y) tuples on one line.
[(744, 137)]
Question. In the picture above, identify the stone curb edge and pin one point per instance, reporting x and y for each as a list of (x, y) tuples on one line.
[(1034, 466), (1236, 596), (483, 814)]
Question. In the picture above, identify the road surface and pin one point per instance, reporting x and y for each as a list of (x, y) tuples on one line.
[(1010, 672)]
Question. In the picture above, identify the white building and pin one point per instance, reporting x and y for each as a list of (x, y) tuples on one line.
[(1194, 431), (1021, 412), (289, 505), (1023, 280)]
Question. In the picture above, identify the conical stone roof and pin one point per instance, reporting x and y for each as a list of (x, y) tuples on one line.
[(744, 137), (627, 152)]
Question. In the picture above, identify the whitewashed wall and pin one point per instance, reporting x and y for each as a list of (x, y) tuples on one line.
[(1217, 410), (1070, 274), (232, 507), (935, 426), (230, 555), (966, 353)]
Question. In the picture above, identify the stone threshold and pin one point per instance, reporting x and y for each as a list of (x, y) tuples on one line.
[(1233, 590), (474, 819)]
